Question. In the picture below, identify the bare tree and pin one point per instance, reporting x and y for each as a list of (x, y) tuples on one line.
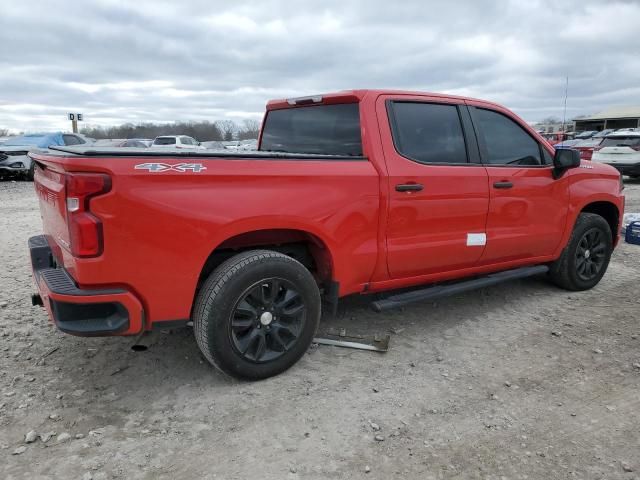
[(202, 131), (550, 120), (228, 128), (250, 129), (4, 132)]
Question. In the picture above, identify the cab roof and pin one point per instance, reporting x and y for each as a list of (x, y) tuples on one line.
[(354, 96)]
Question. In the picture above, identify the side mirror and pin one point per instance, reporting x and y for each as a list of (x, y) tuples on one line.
[(564, 159)]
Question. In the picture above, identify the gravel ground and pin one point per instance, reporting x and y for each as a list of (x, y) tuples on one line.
[(521, 380)]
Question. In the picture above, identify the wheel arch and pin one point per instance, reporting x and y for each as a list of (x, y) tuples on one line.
[(607, 210), (307, 247)]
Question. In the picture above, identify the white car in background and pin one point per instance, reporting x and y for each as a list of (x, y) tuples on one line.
[(14, 152), (621, 150), (177, 141)]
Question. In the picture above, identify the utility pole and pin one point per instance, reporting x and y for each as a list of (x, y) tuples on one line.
[(564, 114)]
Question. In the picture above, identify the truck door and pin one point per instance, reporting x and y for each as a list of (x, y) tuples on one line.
[(528, 207), (438, 189)]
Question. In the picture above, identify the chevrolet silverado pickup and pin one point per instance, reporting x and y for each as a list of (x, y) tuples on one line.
[(349, 193)]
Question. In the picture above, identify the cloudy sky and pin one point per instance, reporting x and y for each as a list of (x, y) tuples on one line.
[(137, 60)]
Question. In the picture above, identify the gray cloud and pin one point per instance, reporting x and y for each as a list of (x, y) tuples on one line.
[(119, 61)]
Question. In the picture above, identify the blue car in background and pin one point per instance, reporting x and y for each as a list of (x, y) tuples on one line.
[(14, 158)]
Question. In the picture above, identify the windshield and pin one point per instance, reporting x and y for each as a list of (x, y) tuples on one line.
[(164, 141), (631, 141), (30, 140), (319, 129)]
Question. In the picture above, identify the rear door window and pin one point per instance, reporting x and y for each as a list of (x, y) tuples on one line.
[(318, 129), (503, 141), (428, 132)]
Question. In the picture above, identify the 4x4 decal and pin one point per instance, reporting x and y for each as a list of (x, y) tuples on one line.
[(165, 167)]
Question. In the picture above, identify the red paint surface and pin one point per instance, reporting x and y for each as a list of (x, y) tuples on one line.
[(160, 228)]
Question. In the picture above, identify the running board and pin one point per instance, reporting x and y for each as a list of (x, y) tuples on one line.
[(439, 291)]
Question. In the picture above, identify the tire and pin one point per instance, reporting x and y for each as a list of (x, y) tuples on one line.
[(586, 257), (256, 314), (31, 172)]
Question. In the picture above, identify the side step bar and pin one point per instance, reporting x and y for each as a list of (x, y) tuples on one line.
[(438, 291)]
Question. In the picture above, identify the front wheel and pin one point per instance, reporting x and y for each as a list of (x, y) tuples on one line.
[(256, 314), (585, 259)]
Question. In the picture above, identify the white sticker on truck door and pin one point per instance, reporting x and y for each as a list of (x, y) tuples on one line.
[(476, 239)]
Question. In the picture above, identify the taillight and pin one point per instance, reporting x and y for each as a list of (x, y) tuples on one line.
[(85, 229)]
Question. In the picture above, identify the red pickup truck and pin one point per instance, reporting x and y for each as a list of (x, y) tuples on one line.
[(352, 192)]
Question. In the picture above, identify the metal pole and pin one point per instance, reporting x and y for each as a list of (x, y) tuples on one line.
[(74, 125), (564, 114)]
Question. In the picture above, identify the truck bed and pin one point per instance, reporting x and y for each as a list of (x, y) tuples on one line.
[(89, 151)]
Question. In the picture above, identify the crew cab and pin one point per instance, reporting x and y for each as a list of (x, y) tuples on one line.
[(348, 193)]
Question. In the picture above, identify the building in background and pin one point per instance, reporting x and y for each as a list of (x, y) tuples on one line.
[(615, 117)]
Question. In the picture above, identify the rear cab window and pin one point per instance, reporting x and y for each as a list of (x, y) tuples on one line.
[(317, 129)]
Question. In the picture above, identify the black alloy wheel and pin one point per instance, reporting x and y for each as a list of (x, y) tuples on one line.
[(591, 254), (585, 258), (267, 320)]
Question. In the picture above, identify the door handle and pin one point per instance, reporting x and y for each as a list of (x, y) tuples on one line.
[(409, 187), (502, 185)]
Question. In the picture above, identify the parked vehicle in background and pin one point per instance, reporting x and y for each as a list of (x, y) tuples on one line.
[(586, 134), (586, 147), (14, 158), (567, 143), (177, 141), (604, 133), (621, 150), (352, 192), (121, 142), (557, 137), (147, 141), (251, 144), (134, 142)]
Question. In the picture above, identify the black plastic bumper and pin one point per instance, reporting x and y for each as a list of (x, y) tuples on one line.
[(629, 169), (74, 310)]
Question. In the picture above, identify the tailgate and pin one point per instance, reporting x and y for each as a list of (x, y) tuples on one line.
[(50, 188)]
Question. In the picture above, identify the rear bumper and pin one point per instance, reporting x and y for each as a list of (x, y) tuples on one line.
[(78, 311)]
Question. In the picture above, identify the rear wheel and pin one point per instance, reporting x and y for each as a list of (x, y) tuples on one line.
[(256, 314), (585, 259)]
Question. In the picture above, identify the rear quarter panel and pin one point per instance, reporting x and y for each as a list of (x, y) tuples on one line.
[(160, 227)]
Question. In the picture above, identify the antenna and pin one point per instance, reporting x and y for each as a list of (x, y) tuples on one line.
[(564, 113)]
